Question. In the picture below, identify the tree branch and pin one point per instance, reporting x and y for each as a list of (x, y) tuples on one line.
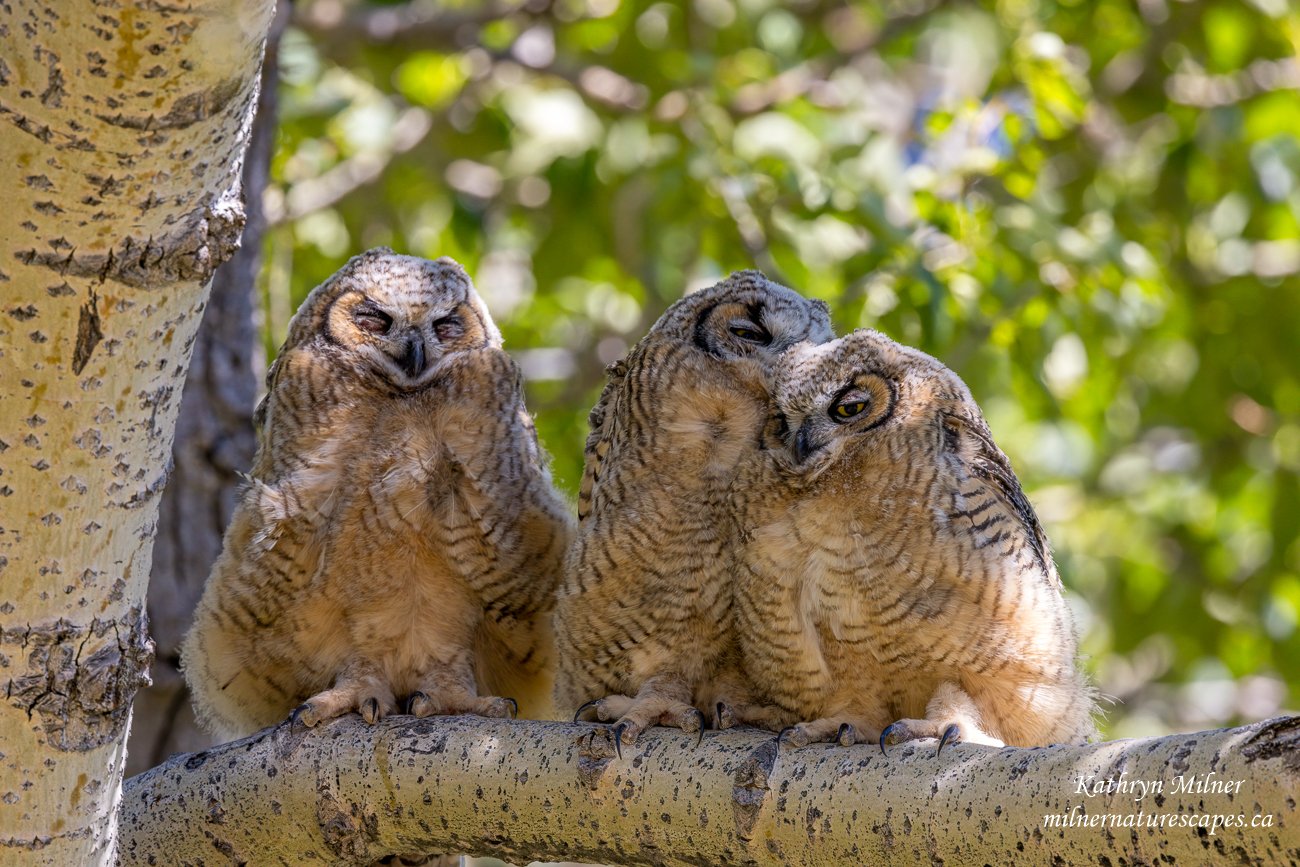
[(349, 793), (417, 24), (315, 194), (1202, 90)]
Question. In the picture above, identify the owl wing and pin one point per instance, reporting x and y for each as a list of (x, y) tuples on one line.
[(987, 463), (294, 484), (603, 422)]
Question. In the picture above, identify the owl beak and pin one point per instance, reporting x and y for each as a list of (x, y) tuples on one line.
[(412, 360)]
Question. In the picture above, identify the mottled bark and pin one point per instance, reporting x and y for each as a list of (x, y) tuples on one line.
[(348, 793), (122, 128), (215, 441)]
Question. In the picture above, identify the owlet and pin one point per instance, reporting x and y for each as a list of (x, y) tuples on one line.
[(643, 620), (399, 539), (896, 583)]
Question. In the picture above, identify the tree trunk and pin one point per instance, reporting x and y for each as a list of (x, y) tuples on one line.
[(348, 793), (122, 129), (215, 441)]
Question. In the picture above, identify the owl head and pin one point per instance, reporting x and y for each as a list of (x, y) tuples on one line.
[(401, 316), (858, 400), (745, 316)]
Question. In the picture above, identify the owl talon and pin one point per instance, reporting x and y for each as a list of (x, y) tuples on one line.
[(577, 716), (885, 735), (618, 738), (296, 716), (720, 714), (514, 708), (697, 715), (847, 735), (370, 710), (781, 740), (953, 733), (410, 702)]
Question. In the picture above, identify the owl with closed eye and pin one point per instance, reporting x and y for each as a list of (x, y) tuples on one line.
[(398, 543), (644, 616), (895, 581)]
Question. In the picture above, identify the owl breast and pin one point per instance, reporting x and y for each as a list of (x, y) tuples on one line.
[(714, 436)]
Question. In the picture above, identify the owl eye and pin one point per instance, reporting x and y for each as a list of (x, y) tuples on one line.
[(847, 409), (751, 332), (449, 328), (373, 320)]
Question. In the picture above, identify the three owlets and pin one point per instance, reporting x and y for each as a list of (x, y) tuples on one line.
[(775, 528)]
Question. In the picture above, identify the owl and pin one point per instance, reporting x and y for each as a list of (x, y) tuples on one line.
[(895, 582), (399, 539), (643, 619)]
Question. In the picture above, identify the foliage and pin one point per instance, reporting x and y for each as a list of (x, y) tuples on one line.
[(1089, 210)]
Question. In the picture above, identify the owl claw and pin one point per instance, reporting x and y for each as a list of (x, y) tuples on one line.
[(577, 716), (698, 716), (721, 710), (780, 737), (618, 738), (410, 702), (847, 735), (953, 733), (295, 716), (884, 737), (514, 708), (370, 710)]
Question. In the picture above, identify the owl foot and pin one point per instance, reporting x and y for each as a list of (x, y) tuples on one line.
[(635, 715), (837, 730), (423, 704), (370, 700), (728, 715), (947, 733)]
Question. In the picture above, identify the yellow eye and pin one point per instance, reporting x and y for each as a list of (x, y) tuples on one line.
[(850, 408), (753, 335)]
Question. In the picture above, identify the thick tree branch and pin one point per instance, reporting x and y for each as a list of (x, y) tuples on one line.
[(349, 793)]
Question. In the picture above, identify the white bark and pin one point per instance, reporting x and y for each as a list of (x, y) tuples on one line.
[(348, 793), (122, 128)]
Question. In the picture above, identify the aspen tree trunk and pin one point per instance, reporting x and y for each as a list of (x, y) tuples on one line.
[(122, 130), (215, 441)]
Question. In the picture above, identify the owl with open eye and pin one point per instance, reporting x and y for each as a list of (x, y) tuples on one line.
[(643, 619), (398, 543), (896, 583)]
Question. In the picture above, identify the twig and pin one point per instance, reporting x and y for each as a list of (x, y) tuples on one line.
[(308, 196), (415, 24), (1209, 91)]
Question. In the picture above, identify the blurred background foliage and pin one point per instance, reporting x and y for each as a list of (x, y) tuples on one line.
[(1088, 209)]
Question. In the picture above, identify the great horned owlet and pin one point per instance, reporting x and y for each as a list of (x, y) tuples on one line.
[(643, 620), (398, 539), (896, 582)]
